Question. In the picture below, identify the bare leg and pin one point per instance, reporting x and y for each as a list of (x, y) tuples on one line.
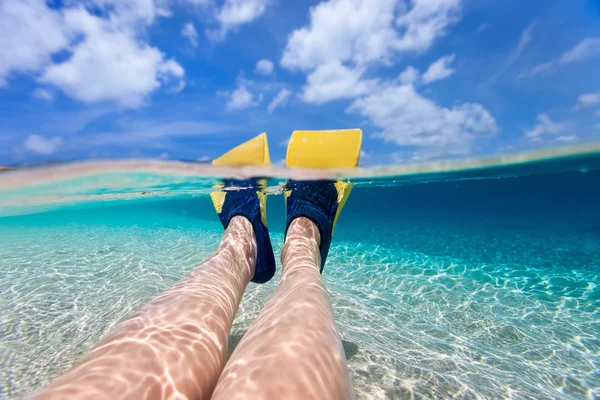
[(293, 349), (175, 346)]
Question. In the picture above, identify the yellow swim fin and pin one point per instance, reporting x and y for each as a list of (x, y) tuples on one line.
[(326, 149), (253, 152)]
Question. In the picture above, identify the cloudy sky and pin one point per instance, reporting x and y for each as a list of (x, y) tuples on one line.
[(188, 79)]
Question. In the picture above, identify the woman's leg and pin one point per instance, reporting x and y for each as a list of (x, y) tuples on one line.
[(293, 349), (175, 346)]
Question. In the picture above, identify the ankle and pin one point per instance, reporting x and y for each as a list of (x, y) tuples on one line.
[(301, 248), (304, 228), (239, 245)]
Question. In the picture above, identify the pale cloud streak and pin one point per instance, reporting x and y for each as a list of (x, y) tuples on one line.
[(524, 40), (188, 31), (150, 132), (439, 70), (279, 100), (42, 94), (587, 100), (41, 145), (409, 76), (569, 138), (544, 127), (586, 49), (240, 99), (235, 13), (264, 67)]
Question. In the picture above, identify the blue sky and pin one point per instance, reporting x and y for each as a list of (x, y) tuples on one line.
[(188, 79)]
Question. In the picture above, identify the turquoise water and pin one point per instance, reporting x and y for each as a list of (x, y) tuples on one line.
[(480, 283)]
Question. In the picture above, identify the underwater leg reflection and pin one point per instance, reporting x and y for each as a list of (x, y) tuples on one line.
[(293, 350)]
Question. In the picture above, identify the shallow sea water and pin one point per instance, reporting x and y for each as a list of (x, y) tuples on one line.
[(470, 285)]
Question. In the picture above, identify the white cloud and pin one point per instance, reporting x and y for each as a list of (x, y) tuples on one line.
[(350, 36), (544, 127), (30, 33), (439, 70), (586, 49), (264, 67), (343, 30), (366, 31), (409, 119), (189, 32), (107, 58), (240, 99), (110, 64), (42, 94), (409, 76), (587, 100), (333, 81), (234, 13), (42, 145), (279, 100)]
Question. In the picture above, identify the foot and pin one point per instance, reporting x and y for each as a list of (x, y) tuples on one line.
[(301, 249), (317, 201), (246, 198)]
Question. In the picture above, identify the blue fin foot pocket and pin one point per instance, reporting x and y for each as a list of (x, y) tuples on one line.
[(317, 201)]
